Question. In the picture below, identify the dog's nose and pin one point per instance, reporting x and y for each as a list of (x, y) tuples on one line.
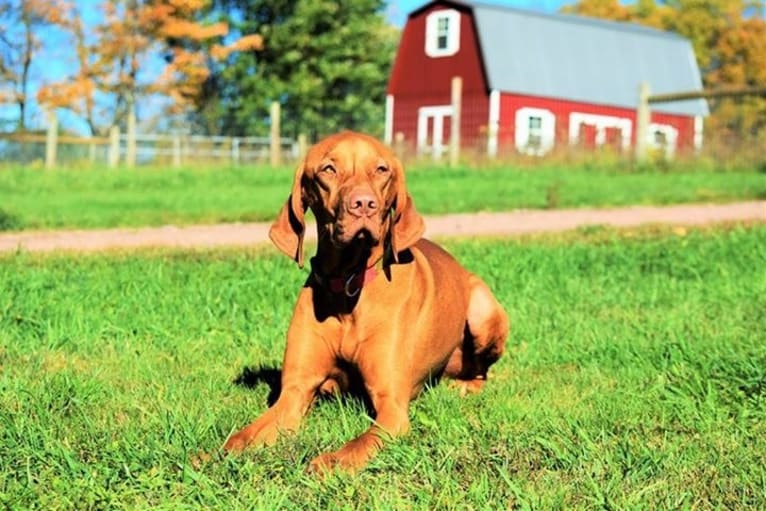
[(361, 203)]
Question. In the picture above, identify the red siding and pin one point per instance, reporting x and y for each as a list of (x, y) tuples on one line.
[(510, 103), (418, 80)]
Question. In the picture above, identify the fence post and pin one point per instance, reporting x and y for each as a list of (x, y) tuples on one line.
[(399, 148), (388, 132), (643, 116), (235, 150), (275, 148), (302, 145), (457, 96), (51, 139), (114, 146), (130, 153), (494, 123), (176, 151)]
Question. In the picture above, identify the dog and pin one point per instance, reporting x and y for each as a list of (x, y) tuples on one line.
[(382, 309)]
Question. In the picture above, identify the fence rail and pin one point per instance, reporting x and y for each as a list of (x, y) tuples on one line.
[(646, 99), (133, 148), (176, 150)]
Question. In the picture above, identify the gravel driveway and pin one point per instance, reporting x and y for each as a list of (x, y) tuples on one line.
[(512, 223)]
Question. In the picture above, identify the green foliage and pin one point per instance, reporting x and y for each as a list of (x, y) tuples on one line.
[(9, 221), (95, 198), (634, 379), (326, 63)]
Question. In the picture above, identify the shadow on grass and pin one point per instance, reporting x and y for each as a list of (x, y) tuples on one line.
[(251, 377), (351, 381)]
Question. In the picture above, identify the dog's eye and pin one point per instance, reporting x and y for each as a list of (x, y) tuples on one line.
[(382, 169), (327, 169)]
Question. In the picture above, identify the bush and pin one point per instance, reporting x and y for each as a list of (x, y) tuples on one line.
[(8, 221)]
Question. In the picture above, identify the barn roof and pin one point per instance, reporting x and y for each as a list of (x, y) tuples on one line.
[(583, 59)]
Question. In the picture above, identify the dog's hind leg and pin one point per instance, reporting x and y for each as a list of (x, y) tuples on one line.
[(486, 331)]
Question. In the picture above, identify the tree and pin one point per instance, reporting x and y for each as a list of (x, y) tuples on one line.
[(327, 63), (139, 49), (19, 22)]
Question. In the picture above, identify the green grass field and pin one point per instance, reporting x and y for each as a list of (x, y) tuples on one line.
[(34, 199), (635, 379)]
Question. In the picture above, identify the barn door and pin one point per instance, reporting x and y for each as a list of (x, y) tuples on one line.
[(434, 123)]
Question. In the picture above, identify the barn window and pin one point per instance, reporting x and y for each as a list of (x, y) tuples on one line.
[(535, 136), (442, 33), (663, 138), (596, 130), (535, 130)]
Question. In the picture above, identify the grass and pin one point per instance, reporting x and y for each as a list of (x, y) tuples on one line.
[(34, 199), (635, 379)]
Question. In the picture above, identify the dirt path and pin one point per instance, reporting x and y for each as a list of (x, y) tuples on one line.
[(456, 225)]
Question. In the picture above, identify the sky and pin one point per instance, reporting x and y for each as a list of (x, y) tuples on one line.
[(53, 63), (398, 9)]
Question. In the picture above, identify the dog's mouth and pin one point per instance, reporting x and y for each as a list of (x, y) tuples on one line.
[(363, 231)]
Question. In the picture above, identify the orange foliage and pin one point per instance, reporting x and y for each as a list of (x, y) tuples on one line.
[(19, 43), (122, 43), (253, 42)]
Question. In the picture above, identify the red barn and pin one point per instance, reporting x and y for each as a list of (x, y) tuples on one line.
[(535, 81)]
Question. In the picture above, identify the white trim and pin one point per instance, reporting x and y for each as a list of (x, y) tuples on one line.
[(601, 123), (438, 113), (698, 132), (452, 18), (388, 131), (493, 123), (671, 138), (547, 130)]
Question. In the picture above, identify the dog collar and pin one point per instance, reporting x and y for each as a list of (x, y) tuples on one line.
[(349, 286), (352, 285)]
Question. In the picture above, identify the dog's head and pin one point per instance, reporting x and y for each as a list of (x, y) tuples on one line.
[(355, 187)]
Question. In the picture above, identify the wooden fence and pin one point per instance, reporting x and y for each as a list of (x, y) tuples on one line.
[(645, 99), (130, 149)]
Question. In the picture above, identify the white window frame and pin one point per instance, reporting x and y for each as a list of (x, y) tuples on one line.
[(671, 138), (547, 130), (601, 123), (438, 113), (432, 33)]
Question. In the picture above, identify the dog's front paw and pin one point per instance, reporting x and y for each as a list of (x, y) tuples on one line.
[(324, 463), (238, 441), (258, 433), (349, 459)]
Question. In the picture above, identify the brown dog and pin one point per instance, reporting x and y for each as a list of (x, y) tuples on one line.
[(382, 307)]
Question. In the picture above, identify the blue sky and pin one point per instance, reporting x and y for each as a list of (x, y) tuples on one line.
[(56, 57), (398, 9)]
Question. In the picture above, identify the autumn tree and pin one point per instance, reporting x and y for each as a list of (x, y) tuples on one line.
[(20, 21), (118, 59)]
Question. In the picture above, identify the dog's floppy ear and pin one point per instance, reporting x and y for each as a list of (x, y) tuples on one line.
[(407, 224), (288, 229)]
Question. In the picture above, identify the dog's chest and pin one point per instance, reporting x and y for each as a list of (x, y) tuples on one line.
[(354, 335), (363, 332)]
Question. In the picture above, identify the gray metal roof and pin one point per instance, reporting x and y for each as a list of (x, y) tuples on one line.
[(585, 59)]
